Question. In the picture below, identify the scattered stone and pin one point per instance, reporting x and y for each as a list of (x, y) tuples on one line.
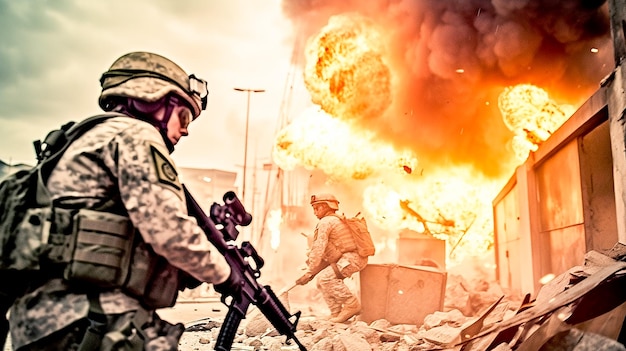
[(353, 342), (389, 337), (204, 341), (440, 330), (209, 325)]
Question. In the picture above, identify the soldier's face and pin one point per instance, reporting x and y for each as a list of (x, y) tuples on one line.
[(178, 123), (319, 210)]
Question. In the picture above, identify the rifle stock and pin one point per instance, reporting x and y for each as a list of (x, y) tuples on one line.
[(228, 217)]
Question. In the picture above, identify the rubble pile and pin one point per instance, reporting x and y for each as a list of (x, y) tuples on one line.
[(582, 309)]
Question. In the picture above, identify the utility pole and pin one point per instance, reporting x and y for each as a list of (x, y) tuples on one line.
[(245, 152)]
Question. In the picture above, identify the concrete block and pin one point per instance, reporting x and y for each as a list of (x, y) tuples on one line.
[(401, 294)]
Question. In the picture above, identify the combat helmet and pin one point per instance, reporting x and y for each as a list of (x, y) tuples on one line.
[(329, 199), (149, 77)]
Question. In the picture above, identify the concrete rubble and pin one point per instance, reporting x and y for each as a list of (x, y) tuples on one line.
[(582, 309)]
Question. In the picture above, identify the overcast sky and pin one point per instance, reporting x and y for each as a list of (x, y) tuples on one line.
[(53, 53)]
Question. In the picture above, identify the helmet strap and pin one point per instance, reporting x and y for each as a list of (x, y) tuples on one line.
[(133, 110), (162, 124)]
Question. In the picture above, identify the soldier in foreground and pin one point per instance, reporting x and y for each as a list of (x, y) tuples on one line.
[(332, 258), (118, 180)]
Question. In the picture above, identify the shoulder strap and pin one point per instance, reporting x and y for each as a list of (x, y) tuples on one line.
[(342, 217), (55, 144)]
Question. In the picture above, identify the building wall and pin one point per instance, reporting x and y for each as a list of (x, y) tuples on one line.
[(559, 204), (598, 191), (560, 210), (507, 239), (208, 185)]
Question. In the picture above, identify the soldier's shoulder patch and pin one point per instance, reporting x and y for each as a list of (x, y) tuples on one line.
[(165, 170)]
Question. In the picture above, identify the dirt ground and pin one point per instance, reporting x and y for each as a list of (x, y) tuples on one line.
[(188, 312)]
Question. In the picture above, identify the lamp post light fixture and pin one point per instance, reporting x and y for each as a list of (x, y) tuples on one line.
[(245, 147)]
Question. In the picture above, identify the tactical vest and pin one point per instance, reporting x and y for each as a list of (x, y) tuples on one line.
[(97, 250), (339, 241)]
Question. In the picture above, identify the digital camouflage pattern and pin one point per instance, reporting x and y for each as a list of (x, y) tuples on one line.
[(28, 240), (149, 89), (334, 291), (116, 158), (40, 313), (331, 239)]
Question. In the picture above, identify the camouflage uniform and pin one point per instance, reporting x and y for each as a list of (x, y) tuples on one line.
[(126, 158), (330, 280)]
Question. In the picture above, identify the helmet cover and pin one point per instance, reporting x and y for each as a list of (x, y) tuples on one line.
[(149, 77), (329, 199)]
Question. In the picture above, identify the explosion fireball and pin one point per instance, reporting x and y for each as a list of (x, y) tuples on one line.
[(424, 109)]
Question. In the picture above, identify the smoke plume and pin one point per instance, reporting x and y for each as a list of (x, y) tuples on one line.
[(447, 62)]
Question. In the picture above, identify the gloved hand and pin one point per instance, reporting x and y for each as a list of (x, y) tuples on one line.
[(231, 286), (186, 281), (305, 278)]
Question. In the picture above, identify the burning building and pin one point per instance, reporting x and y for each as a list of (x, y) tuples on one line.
[(567, 198)]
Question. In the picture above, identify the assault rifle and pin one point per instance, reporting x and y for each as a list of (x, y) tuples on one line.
[(228, 217)]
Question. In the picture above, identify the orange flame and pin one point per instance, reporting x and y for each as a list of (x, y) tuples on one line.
[(316, 140), (529, 112), (450, 204), (345, 71), (348, 79)]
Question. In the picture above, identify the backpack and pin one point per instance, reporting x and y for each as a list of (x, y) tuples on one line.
[(25, 189), (360, 234)]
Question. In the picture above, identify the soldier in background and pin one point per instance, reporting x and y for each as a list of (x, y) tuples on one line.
[(332, 258), (119, 179)]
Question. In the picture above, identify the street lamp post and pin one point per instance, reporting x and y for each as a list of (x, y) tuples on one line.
[(245, 147)]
